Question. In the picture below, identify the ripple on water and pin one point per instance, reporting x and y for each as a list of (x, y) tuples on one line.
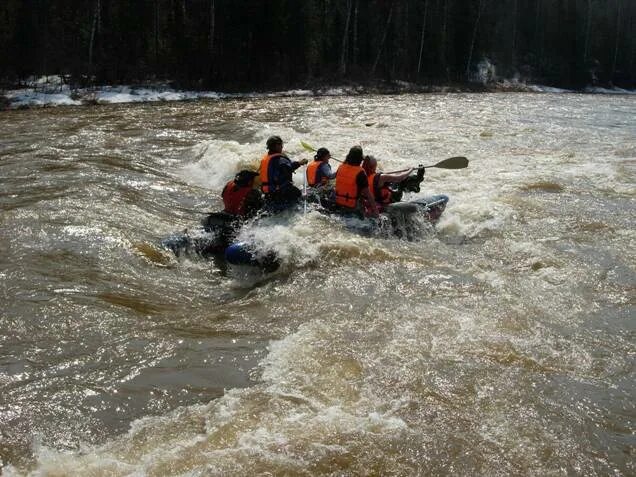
[(499, 342)]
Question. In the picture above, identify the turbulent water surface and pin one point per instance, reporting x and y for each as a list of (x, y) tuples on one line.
[(500, 342)]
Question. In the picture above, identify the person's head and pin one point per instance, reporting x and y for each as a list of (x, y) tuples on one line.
[(355, 156), (245, 178), (274, 144), (322, 154), (370, 164)]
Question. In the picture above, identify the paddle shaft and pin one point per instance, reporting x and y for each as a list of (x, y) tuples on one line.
[(305, 190), (312, 149), (457, 162)]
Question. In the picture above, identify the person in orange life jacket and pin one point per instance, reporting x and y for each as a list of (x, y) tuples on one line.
[(379, 182), (319, 172), (352, 184), (276, 176), (239, 196)]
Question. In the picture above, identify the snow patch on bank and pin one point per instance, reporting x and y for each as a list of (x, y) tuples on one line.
[(31, 97), (53, 91), (615, 90), (485, 73), (64, 96)]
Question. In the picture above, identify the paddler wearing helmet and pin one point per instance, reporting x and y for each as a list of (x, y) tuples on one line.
[(276, 171), (352, 185)]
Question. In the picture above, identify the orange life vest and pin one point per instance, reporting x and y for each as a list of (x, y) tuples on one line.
[(347, 192), (234, 198), (381, 195), (265, 173), (312, 173)]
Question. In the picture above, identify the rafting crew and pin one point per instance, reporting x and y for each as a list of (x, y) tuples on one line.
[(359, 190), (276, 170), (359, 187), (352, 186)]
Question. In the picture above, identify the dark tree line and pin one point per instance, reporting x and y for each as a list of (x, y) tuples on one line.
[(239, 44)]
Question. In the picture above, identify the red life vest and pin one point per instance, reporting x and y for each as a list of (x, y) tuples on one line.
[(312, 173), (382, 195), (234, 198), (264, 171), (347, 192)]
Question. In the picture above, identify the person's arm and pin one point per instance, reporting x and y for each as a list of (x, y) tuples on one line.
[(286, 168), (373, 208), (296, 164), (363, 186), (329, 173), (393, 178), (326, 174)]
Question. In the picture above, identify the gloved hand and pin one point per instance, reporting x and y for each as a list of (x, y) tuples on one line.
[(302, 162)]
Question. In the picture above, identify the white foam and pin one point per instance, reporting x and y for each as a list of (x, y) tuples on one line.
[(292, 238), (216, 161), (474, 218)]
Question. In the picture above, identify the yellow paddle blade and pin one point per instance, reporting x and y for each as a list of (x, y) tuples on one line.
[(307, 146)]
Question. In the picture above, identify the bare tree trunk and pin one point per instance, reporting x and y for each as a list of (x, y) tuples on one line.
[(386, 30), (588, 26), (537, 19), (632, 53), (474, 38), (419, 59), (156, 32), (618, 35), (96, 22), (513, 42), (343, 53), (442, 43), (212, 22), (355, 34), (400, 58)]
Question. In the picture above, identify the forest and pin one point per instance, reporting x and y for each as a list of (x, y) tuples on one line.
[(235, 45)]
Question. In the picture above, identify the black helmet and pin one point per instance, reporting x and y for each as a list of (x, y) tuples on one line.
[(321, 153), (273, 140), (355, 155), (244, 177)]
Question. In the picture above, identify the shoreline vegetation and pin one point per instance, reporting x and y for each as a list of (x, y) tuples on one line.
[(191, 49), (54, 91)]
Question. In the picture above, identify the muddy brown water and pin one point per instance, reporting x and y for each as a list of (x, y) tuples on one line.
[(500, 342)]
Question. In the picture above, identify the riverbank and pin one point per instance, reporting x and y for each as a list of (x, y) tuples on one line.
[(52, 91)]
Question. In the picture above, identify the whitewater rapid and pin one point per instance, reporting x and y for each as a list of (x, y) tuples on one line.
[(500, 342)]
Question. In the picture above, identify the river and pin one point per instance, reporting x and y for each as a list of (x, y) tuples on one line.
[(500, 342)]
